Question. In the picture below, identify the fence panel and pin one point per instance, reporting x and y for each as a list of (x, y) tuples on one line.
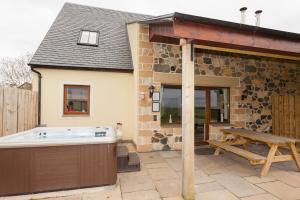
[(286, 115), (1, 110), (18, 110)]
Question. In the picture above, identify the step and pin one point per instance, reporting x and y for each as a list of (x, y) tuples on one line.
[(122, 151), (133, 159), (127, 162)]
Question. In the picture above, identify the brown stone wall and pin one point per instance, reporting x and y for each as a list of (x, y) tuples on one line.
[(250, 103)]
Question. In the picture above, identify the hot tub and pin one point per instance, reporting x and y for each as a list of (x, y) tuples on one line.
[(48, 159)]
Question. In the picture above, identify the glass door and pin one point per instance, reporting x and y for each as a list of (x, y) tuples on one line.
[(219, 105), (200, 115), (211, 106)]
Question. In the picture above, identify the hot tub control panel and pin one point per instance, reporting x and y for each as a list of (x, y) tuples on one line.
[(100, 134)]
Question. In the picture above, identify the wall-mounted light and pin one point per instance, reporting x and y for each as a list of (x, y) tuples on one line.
[(151, 90), (142, 95)]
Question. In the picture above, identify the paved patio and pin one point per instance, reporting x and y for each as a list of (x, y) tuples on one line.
[(224, 177)]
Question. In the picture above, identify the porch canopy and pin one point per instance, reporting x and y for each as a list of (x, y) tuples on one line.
[(198, 32), (224, 36)]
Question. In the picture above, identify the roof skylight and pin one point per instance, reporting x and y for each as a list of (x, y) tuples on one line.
[(89, 38)]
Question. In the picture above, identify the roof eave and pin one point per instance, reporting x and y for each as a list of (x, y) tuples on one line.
[(103, 69), (246, 27), (161, 18)]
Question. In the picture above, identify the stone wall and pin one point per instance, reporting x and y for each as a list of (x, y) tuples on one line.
[(250, 104)]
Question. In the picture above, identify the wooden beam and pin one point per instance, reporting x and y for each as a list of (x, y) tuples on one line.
[(226, 39), (253, 53), (270, 158), (200, 80), (239, 39), (295, 155), (188, 90)]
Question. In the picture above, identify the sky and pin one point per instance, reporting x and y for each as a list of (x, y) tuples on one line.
[(24, 23)]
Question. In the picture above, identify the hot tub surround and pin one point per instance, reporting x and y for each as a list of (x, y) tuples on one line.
[(252, 81), (38, 164)]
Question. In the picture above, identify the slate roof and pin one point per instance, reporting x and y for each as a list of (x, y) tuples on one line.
[(59, 48)]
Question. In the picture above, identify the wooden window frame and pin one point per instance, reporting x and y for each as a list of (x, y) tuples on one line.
[(76, 113), (207, 108)]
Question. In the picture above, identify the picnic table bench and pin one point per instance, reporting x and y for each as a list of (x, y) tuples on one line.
[(245, 137)]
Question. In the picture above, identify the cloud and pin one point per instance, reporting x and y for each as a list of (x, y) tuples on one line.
[(24, 23)]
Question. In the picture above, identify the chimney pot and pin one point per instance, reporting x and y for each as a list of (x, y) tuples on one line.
[(257, 17), (258, 11), (243, 15), (243, 9)]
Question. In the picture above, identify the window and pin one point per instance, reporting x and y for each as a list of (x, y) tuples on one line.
[(89, 38), (219, 105), (211, 105), (171, 105), (76, 99)]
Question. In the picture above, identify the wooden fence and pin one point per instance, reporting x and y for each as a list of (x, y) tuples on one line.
[(18, 110), (286, 116)]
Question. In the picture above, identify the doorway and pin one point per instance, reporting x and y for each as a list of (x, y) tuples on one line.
[(211, 107)]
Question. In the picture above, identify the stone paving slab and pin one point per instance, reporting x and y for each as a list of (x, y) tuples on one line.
[(136, 183), (208, 187), (156, 165), (111, 195), (113, 191), (237, 185), (261, 197), (286, 177), (281, 190), (170, 154), (142, 195), (213, 164), (169, 188), (199, 177), (162, 173), (242, 170), (77, 197), (257, 179), (139, 173), (286, 166), (151, 157), (175, 163), (216, 195), (173, 198)]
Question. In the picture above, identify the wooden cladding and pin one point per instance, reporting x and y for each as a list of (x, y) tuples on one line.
[(18, 110), (224, 37), (286, 116), (39, 169), (228, 37)]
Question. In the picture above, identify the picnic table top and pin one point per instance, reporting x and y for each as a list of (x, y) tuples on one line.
[(260, 137)]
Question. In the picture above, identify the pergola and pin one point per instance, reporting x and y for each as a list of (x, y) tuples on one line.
[(192, 32)]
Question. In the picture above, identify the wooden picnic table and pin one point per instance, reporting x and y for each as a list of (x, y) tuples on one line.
[(274, 142)]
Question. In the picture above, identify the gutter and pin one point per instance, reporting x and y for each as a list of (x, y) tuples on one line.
[(39, 94), (119, 70)]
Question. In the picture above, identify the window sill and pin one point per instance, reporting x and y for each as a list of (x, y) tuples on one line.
[(216, 124), (170, 125), (83, 115)]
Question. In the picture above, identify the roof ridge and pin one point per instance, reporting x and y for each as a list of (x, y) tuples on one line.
[(107, 9)]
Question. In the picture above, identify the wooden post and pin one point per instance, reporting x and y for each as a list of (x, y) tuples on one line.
[(188, 88)]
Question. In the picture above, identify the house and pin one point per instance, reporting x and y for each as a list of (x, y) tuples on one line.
[(99, 66)]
